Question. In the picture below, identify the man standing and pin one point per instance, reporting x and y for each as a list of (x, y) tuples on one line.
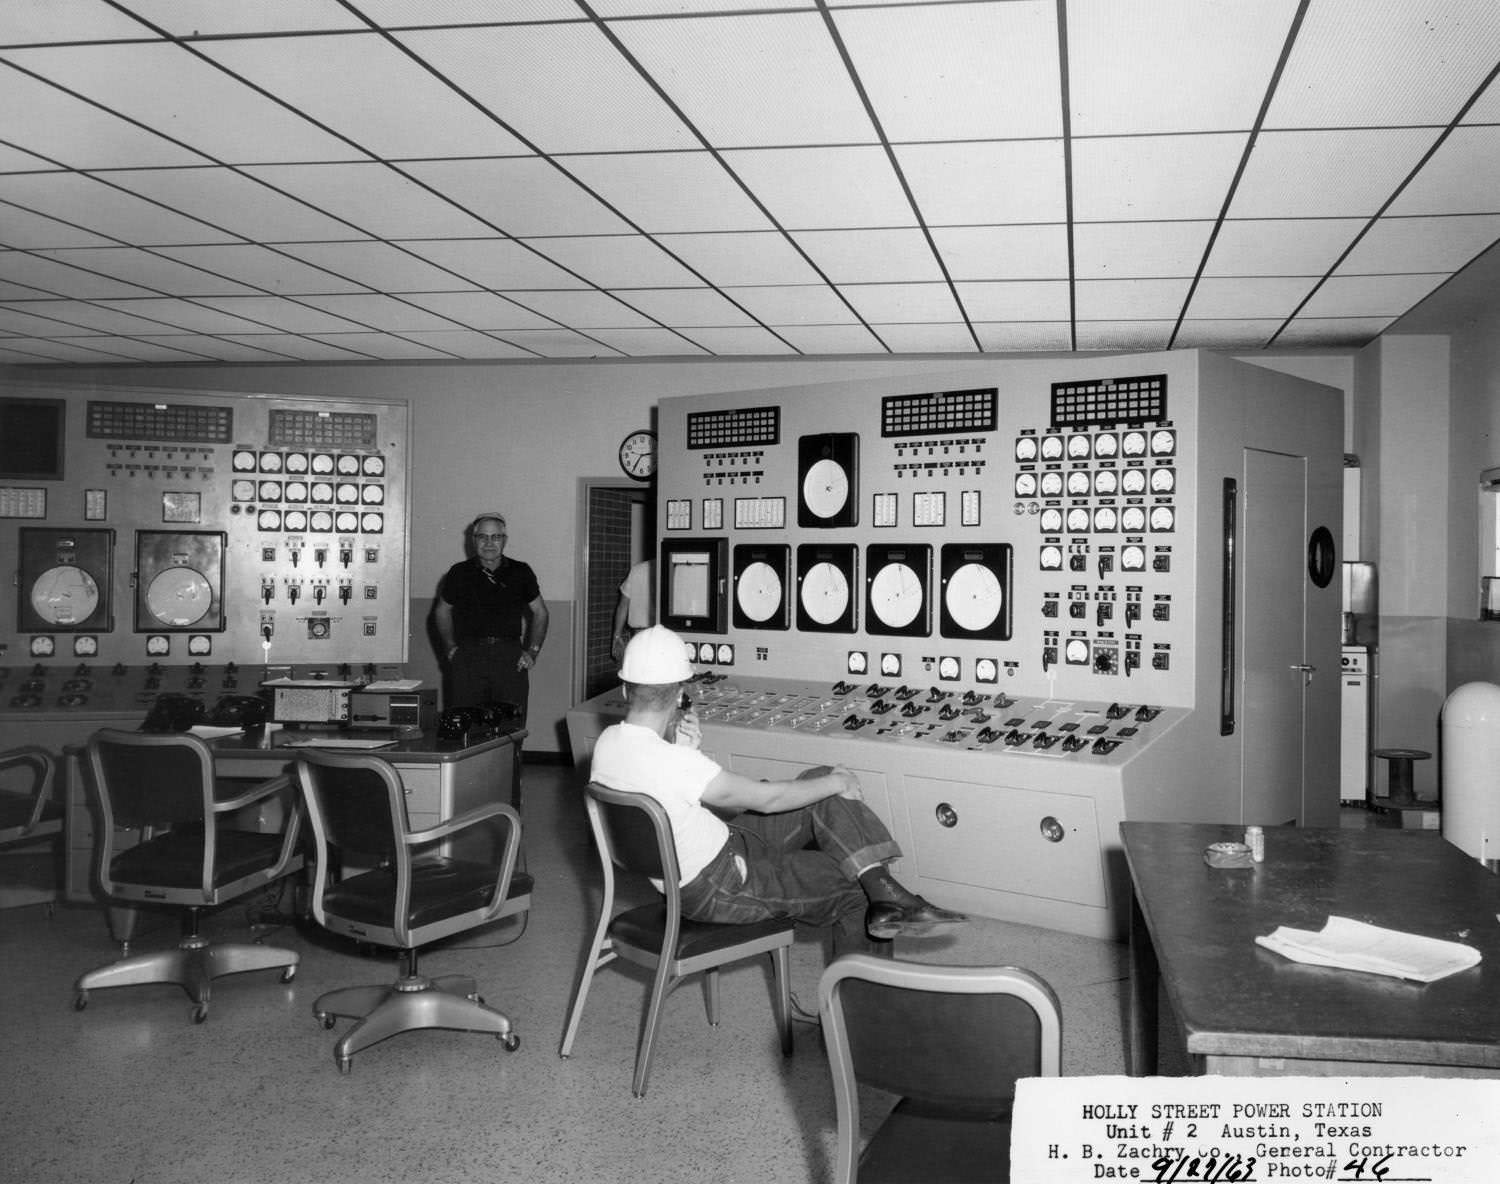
[(758, 864), (491, 621), (636, 607)]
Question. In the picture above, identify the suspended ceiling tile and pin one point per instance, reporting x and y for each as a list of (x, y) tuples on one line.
[(1289, 246), (1370, 295), (646, 343), (66, 20), (958, 72), (64, 129), (209, 18), (520, 196), (32, 231), (234, 202), (302, 349), (1462, 177), (1124, 335), (1306, 174), (234, 268), (362, 87), (765, 79), (814, 188), (97, 207), (904, 303), (378, 265), (13, 160), (985, 184), (871, 256), (1021, 300), (392, 13), (1130, 299), (481, 310), (30, 350), (59, 279), (383, 346), (1020, 336), (1154, 178), (1246, 297), (204, 108), (927, 339), (614, 8), (563, 88), (1226, 334), (372, 198), (815, 304), (754, 257), (9, 291), (380, 312), (497, 262), (833, 339), (1332, 332), (40, 318), (466, 343), (1116, 250), (739, 342), (1486, 108), (184, 314), (582, 310), (618, 261), (1422, 244), (559, 343), (99, 318), (671, 191), (687, 307), (288, 315), (1356, 64), (218, 349), (138, 349), (1008, 252), (149, 270)]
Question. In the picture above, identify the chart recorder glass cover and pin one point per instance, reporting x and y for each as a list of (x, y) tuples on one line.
[(976, 598), (896, 595), (179, 581), (825, 579), (828, 480), (760, 586)]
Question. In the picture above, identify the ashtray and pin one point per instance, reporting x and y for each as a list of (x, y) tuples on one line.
[(1228, 855)]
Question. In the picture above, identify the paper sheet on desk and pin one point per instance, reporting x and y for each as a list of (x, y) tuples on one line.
[(1354, 945)]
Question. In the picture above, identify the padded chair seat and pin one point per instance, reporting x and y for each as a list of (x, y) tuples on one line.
[(643, 928), (15, 810), (902, 1150), (440, 888), (175, 859)]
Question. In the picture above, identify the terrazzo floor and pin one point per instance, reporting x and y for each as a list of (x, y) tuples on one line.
[(130, 1090)]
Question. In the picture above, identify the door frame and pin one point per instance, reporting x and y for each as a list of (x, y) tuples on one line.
[(584, 569)]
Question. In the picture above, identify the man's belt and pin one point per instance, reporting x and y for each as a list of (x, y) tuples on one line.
[(489, 640)]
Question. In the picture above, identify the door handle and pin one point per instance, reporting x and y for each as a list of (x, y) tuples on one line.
[(1307, 672)]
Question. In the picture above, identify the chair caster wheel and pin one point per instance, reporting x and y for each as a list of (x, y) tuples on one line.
[(346, 1064), (288, 974), (510, 1042), (80, 1001), (200, 1013), (325, 1019)]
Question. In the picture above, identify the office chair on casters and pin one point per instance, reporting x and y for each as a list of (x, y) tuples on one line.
[(27, 817), (380, 882), (632, 832), (161, 788), (952, 1041)]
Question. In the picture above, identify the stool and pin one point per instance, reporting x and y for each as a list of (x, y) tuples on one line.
[(1402, 799)]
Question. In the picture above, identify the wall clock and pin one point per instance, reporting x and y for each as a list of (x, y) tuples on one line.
[(638, 455)]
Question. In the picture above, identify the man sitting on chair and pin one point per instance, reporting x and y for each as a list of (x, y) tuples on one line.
[(758, 864)]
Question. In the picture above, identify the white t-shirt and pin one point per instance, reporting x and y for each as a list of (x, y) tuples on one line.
[(635, 759), (639, 587)]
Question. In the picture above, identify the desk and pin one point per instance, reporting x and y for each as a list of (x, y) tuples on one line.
[(1246, 1011)]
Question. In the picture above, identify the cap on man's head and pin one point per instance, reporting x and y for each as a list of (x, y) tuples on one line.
[(487, 516), (655, 657)]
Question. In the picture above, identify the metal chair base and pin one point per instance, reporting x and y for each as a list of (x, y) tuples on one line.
[(192, 965)]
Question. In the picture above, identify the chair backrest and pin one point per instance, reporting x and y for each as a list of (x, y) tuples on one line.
[(636, 832), (354, 802), (953, 1039), (22, 814), (151, 779)]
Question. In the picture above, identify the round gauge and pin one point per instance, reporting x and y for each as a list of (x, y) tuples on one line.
[(1052, 447), (348, 465), (1133, 558), (758, 591), (949, 668), (321, 520), (372, 495), (270, 462), (1052, 558), (270, 491), (1133, 518), (346, 522), (268, 520), (890, 665), (200, 644), (65, 595), (706, 651), (973, 599), (1051, 521), (322, 462), (244, 461), (1163, 480), (726, 652), (896, 595), (1077, 651), (638, 455), (296, 462), (42, 646), (1106, 445), (295, 520), (1133, 481), (179, 596), (1078, 483), (690, 651), (1078, 520), (1026, 448), (858, 664), (1025, 484), (1105, 518), (1134, 443), (372, 523), (322, 491), (348, 494), (1163, 442), (157, 645), (1078, 447), (1106, 481), (1162, 518), (296, 491), (85, 645), (1052, 484), (825, 489), (985, 670), (242, 491), (825, 592), (373, 466)]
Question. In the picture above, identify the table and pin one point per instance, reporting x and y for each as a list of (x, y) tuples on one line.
[(1246, 1011)]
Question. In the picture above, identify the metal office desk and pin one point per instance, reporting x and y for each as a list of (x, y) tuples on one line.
[(1246, 1011)]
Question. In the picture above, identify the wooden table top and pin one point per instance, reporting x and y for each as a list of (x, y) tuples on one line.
[(1235, 998)]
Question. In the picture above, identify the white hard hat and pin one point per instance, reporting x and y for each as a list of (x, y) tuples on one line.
[(656, 657)]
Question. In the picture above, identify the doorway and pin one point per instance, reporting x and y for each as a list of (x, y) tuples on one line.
[(618, 528)]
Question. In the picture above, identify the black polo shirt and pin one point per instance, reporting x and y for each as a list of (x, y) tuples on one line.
[(489, 604)]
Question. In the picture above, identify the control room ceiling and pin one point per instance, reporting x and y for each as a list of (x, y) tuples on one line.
[(350, 180)]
